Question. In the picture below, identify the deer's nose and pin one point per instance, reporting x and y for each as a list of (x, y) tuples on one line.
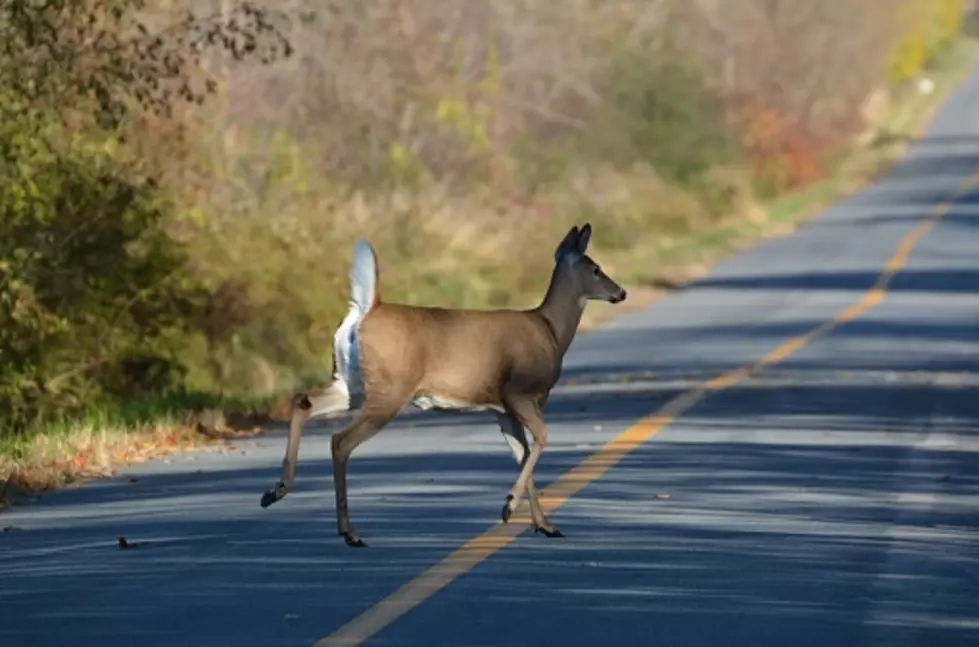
[(618, 298)]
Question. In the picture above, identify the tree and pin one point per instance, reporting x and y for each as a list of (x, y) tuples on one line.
[(92, 291)]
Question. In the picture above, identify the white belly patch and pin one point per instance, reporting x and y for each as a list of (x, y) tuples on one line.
[(427, 402)]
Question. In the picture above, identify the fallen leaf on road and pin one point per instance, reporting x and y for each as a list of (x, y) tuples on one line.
[(12, 529), (123, 543), (662, 496)]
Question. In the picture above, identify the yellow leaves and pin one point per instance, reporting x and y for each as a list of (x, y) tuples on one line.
[(196, 215), (403, 165), (468, 111), (450, 111), (492, 83), (929, 26), (909, 58), (31, 189), (287, 164), (949, 18), (399, 157), (470, 123), (110, 146)]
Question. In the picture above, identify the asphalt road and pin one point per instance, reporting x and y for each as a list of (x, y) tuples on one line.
[(830, 499)]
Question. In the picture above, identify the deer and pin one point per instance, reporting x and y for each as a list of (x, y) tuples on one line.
[(387, 356)]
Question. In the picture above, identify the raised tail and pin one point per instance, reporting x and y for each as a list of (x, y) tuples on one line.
[(364, 289)]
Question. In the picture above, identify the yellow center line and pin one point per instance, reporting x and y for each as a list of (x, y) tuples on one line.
[(466, 557)]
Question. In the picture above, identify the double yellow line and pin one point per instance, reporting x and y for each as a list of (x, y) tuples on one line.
[(474, 551)]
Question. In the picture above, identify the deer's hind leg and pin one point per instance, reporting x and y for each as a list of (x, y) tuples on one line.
[(376, 414), (516, 437)]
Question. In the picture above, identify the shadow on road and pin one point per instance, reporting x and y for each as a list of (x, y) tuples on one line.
[(932, 281), (768, 490)]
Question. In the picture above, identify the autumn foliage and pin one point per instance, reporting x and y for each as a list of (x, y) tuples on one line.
[(179, 193)]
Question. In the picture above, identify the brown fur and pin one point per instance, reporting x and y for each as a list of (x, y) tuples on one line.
[(515, 350)]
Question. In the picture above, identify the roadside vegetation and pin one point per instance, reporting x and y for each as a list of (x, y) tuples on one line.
[(179, 193)]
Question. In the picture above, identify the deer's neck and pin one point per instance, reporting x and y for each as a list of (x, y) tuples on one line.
[(562, 307)]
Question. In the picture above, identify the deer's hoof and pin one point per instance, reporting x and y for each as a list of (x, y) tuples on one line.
[(548, 531), (352, 540), (507, 509), (273, 495)]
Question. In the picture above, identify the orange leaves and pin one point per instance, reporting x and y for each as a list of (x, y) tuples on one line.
[(783, 154), (82, 460), (57, 460)]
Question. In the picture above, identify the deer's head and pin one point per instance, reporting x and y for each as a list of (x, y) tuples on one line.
[(587, 278)]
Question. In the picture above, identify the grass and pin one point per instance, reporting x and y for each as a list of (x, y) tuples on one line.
[(96, 444)]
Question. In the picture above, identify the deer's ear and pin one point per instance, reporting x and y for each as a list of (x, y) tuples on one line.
[(568, 244), (583, 237)]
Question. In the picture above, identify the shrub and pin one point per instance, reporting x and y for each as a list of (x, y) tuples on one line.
[(664, 116), (92, 284), (927, 29)]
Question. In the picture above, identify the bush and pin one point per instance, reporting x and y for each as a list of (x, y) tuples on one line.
[(928, 27), (94, 289), (91, 279), (664, 116)]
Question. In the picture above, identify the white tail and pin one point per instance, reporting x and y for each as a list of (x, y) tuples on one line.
[(363, 278), (346, 348), (387, 355)]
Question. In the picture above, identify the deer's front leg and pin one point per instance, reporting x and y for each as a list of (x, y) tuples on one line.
[(528, 414), (516, 437)]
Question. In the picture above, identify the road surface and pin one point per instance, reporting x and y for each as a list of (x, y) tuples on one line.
[(829, 496)]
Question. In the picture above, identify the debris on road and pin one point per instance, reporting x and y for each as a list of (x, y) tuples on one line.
[(124, 543), (216, 424)]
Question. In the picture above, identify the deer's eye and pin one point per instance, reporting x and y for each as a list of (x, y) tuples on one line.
[(596, 271)]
